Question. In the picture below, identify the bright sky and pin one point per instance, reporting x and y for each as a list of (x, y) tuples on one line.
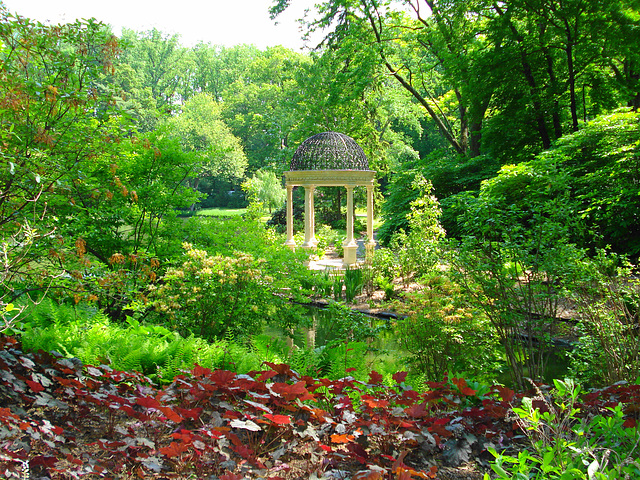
[(219, 22)]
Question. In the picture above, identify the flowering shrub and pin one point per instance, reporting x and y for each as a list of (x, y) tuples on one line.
[(212, 295), (117, 289)]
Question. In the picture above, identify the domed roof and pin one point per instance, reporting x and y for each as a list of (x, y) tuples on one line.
[(329, 151)]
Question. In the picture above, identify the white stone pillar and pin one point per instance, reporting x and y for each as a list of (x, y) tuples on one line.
[(350, 215), (309, 218), (371, 243), (291, 243), (350, 246)]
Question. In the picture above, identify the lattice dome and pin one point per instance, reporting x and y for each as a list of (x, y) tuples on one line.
[(329, 151)]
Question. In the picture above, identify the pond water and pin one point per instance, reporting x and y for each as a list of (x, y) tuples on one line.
[(323, 336), (322, 329), (384, 347)]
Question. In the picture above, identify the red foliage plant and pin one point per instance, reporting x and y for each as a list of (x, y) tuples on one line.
[(70, 420)]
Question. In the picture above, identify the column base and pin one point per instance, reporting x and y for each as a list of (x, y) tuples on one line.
[(310, 244), (350, 254), (369, 248)]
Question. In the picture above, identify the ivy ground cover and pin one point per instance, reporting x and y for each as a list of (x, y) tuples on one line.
[(61, 419)]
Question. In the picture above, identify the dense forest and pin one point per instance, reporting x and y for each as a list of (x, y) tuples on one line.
[(505, 136)]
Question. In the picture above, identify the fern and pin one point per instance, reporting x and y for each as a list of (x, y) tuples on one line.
[(175, 361), (212, 356), (48, 312), (269, 348), (129, 362), (306, 361), (347, 356)]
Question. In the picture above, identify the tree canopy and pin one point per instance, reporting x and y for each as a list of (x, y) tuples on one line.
[(104, 140)]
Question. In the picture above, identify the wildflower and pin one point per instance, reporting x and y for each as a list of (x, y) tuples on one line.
[(116, 258), (81, 245)]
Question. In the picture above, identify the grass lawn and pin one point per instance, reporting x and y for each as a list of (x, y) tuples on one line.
[(221, 212), (232, 212), (362, 216), (227, 212)]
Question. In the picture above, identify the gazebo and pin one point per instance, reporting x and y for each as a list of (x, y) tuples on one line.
[(329, 159)]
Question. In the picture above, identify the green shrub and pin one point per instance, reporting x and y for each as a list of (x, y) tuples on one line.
[(417, 252), (384, 263), (568, 447), (607, 297), (594, 173), (386, 285), (442, 333), (603, 161), (210, 295), (516, 258)]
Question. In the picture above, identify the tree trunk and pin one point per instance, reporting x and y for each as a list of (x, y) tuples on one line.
[(475, 139), (553, 82), (194, 185), (531, 81), (572, 78), (395, 72), (464, 122), (634, 80), (432, 113), (476, 117)]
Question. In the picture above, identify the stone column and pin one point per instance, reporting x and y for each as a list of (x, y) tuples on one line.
[(371, 243), (309, 218), (350, 245), (291, 243)]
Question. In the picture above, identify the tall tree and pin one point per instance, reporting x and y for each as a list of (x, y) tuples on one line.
[(203, 133), (526, 64), (161, 64), (265, 189), (262, 105), (214, 68), (441, 42), (57, 117)]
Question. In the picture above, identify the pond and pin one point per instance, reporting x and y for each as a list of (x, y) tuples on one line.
[(371, 345), (382, 351), (324, 328)]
